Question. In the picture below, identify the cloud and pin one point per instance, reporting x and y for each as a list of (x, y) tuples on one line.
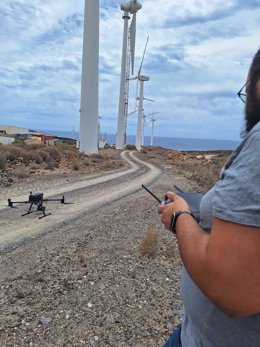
[(197, 58)]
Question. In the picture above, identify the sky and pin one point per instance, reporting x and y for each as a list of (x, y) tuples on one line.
[(197, 58)]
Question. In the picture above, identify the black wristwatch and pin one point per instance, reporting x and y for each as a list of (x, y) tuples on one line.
[(175, 216)]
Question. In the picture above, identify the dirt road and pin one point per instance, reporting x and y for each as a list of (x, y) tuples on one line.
[(86, 195), (77, 277)]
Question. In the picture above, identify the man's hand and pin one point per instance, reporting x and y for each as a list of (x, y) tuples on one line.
[(167, 210)]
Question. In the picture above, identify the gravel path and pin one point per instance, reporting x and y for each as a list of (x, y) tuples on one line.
[(82, 280), (87, 194)]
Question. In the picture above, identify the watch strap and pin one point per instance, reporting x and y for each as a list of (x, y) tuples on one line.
[(175, 216)]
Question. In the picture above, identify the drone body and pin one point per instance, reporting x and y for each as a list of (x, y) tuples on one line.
[(38, 200)]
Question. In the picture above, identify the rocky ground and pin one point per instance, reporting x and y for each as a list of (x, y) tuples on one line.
[(109, 277)]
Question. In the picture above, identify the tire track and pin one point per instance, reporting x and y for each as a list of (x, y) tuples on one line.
[(104, 190)]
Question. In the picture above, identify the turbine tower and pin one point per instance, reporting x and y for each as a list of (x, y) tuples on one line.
[(140, 78), (152, 121), (89, 79), (132, 7)]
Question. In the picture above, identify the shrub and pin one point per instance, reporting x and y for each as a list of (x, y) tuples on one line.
[(130, 147), (69, 154), (149, 244), (35, 157), (95, 156), (86, 162), (50, 165), (33, 146), (22, 172), (70, 146), (13, 152), (18, 141), (54, 153), (33, 165), (76, 165), (43, 154), (2, 161)]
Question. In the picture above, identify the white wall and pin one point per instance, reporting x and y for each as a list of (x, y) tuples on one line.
[(6, 140)]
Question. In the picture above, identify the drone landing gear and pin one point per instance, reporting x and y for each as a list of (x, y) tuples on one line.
[(40, 207), (37, 199)]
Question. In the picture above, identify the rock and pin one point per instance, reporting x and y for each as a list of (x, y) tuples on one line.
[(45, 320), (17, 323)]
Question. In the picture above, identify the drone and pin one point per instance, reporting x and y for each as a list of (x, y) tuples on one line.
[(38, 200)]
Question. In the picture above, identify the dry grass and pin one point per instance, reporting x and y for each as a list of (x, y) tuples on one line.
[(60, 159), (76, 165), (3, 161), (149, 244), (30, 153), (22, 172)]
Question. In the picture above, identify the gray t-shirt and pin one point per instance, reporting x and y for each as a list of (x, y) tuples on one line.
[(236, 198)]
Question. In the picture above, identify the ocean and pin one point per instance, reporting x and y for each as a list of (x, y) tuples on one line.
[(177, 143)]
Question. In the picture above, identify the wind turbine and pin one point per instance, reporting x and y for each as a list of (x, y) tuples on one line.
[(143, 121), (152, 121), (132, 7), (89, 80), (140, 78)]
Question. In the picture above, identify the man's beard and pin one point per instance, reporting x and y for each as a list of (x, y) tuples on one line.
[(252, 115)]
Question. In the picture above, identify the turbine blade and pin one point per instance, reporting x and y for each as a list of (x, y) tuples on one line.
[(132, 40), (140, 69), (136, 95), (148, 99)]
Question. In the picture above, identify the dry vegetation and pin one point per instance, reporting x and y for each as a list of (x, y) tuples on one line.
[(202, 168), (149, 244), (20, 160)]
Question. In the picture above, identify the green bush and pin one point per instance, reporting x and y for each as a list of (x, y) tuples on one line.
[(130, 147)]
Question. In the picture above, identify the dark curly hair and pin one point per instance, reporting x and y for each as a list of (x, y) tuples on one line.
[(252, 109)]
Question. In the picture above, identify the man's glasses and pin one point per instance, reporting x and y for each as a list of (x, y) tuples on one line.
[(242, 94)]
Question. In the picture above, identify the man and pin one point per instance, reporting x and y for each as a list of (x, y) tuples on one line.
[(220, 283)]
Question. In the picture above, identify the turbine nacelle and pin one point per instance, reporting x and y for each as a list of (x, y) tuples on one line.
[(140, 78), (143, 78), (131, 6)]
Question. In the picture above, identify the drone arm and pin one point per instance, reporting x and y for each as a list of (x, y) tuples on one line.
[(11, 203), (62, 200)]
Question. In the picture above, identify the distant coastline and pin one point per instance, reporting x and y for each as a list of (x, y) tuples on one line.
[(179, 144)]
